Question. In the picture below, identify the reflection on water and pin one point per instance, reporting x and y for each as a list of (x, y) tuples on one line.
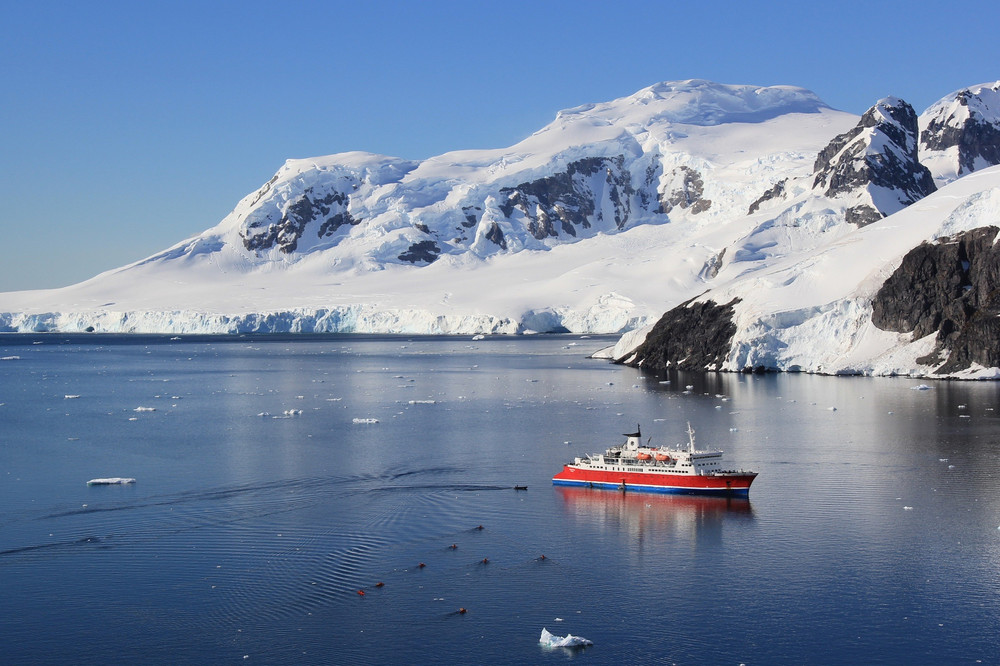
[(640, 514)]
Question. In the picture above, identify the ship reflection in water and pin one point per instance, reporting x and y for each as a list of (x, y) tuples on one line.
[(647, 514)]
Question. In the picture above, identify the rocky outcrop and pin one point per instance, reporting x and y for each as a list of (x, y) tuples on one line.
[(576, 198), (284, 233), (685, 190), (777, 190), (692, 336), (875, 164), (425, 252), (950, 288), (963, 130)]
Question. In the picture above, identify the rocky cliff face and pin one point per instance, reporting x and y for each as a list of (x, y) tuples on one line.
[(691, 336), (574, 199), (948, 288), (875, 164), (961, 133)]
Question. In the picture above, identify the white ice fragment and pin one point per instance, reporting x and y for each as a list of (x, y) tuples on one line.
[(111, 481), (264, 415), (292, 412), (963, 406), (951, 467), (907, 508), (70, 397), (831, 409), (921, 387), (423, 402), (10, 358), (689, 387), (667, 381), (559, 619), (144, 409), (942, 460), (357, 420), (569, 640)]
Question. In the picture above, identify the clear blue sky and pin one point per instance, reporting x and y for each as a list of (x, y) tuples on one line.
[(129, 126)]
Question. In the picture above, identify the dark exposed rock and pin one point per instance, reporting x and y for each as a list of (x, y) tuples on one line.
[(692, 336), (495, 234), (848, 164), (776, 191), (687, 193), (713, 266), (426, 251), (472, 215), (298, 214), (976, 135), (951, 288), (422, 227), (565, 201), (862, 215)]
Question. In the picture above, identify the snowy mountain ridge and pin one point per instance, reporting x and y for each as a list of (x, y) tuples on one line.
[(599, 222)]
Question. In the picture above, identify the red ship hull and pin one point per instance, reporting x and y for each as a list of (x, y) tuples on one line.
[(721, 484)]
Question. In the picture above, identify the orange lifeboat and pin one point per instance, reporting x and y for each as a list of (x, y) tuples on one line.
[(643, 455), (662, 457)]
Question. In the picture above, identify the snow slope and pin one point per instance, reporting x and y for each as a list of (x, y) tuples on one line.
[(590, 225)]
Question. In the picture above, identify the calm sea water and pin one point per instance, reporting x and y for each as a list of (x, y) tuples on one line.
[(870, 536)]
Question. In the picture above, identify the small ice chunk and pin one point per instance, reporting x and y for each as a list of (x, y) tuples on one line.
[(422, 402), (357, 420), (111, 481), (831, 409), (292, 412), (921, 387), (70, 397), (144, 409), (907, 508), (10, 358), (569, 640)]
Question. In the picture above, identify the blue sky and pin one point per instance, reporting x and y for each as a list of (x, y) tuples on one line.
[(129, 126)]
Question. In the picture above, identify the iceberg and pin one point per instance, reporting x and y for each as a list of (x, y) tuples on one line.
[(567, 641), (111, 481)]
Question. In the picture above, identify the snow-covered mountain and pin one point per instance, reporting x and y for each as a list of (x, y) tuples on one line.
[(599, 222)]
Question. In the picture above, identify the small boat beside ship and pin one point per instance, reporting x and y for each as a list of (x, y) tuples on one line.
[(637, 466)]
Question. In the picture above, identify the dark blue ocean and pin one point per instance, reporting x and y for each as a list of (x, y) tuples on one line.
[(276, 477)]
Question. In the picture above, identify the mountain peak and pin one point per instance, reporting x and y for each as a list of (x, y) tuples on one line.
[(703, 103), (960, 133)]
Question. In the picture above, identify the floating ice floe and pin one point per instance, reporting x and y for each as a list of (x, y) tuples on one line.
[(10, 358), (423, 402), (292, 412), (569, 640), (920, 387), (907, 508), (144, 409), (70, 397), (356, 420), (111, 481)]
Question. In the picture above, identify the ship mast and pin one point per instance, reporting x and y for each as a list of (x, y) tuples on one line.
[(690, 438)]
